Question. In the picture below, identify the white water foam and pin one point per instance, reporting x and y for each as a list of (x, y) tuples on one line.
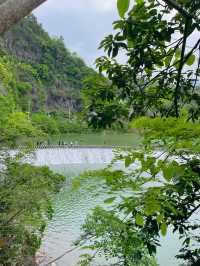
[(70, 156)]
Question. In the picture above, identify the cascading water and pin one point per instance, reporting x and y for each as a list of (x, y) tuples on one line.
[(72, 161), (71, 156)]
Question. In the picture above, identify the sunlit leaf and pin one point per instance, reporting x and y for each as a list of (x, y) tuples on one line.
[(123, 6), (139, 220), (178, 53)]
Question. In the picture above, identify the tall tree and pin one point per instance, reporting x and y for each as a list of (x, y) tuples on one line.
[(11, 11)]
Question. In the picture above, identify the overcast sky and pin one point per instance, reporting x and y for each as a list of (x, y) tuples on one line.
[(82, 23)]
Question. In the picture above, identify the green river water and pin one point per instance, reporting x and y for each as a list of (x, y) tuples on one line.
[(72, 206)]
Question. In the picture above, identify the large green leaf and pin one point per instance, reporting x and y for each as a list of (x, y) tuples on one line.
[(123, 6), (191, 60), (168, 173)]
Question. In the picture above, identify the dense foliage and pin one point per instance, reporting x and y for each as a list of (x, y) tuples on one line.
[(157, 77), (158, 190), (41, 78), (25, 206), (46, 75), (101, 106), (25, 191), (14, 124)]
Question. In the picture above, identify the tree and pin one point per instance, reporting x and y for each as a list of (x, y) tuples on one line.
[(160, 186), (157, 77), (102, 108), (11, 11), (25, 206), (46, 123)]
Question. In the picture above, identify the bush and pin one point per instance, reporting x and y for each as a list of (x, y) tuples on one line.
[(25, 206), (46, 123)]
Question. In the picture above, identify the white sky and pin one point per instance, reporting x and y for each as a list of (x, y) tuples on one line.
[(82, 23)]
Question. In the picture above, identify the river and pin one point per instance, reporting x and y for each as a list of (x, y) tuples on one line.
[(71, 206)]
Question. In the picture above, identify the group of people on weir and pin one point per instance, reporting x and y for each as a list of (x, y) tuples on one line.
[(60, 143)]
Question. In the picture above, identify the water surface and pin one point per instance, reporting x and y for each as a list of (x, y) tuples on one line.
[(72, 206)]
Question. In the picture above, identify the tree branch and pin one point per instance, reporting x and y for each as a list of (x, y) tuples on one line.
[(61, 256), (193, 211), (181, 10), (12, 11), (197, 73), (13, 217), (177, 89), (67, 252)]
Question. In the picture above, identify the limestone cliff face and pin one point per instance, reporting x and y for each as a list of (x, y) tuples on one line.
[(54, 74)]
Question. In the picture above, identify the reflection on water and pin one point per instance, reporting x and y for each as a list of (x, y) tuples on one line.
[(71, 208)]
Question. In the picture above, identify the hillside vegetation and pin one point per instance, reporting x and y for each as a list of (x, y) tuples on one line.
[(40, 78), (47, 74)]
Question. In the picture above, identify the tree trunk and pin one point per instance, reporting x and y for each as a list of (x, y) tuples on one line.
[(11, 11)]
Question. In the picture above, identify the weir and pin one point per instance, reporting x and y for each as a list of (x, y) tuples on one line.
[(71, 156)]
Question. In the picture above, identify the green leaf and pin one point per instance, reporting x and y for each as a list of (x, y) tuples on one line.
[(139, 2), (123, 6), (139, 220), (163, 229), (130, 44), (191, 60), (128, 161), (160, 218), (168, 173), (151, 206), (178, 53), (169, 57), (109, 200)]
